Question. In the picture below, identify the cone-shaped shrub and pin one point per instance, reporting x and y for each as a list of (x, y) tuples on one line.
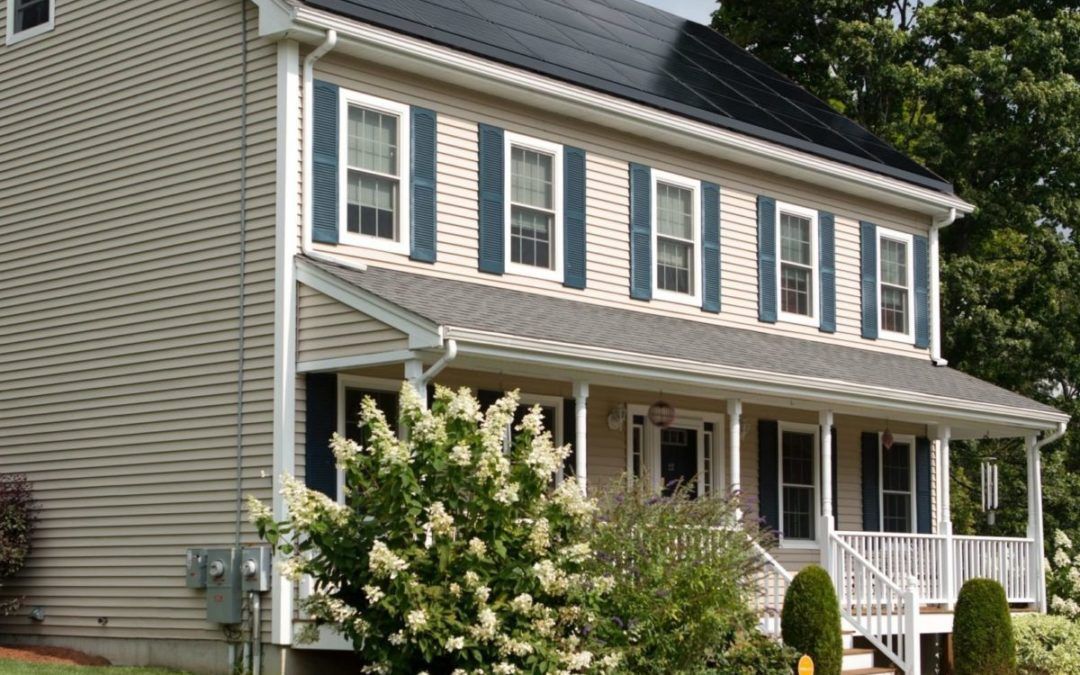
[(983, 641), (810, 621)]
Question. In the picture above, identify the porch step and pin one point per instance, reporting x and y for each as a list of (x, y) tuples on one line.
[(856, 658), (869, 671)]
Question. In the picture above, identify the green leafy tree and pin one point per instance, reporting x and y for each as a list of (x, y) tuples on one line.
[(452, 552), (987, 94)]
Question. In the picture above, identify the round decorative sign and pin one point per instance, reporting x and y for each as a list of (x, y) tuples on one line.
[(662, 414), (806, 665)]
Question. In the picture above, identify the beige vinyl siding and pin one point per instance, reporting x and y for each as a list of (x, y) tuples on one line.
[(607, 208), (328, 329), (119, 304), (607, 447)]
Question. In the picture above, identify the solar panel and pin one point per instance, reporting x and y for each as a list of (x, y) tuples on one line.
[(644, 54)]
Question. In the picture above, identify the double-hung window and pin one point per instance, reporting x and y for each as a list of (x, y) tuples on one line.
[(676, 237), (798, 483), (797, 263), (895, 283), (375, 147), (27, 18), (898, 485), (534, 206)]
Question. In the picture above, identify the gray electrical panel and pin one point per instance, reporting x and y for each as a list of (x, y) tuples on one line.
[(195, 566), (255, 569), (223, 594)]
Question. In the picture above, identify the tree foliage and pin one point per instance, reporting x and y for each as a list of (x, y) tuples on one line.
[(986, 94)]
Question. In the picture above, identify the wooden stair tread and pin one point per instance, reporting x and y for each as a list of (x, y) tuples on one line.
[(856, 651), (869, 671)]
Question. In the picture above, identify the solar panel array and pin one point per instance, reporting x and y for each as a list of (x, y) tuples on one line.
[(643, 54)]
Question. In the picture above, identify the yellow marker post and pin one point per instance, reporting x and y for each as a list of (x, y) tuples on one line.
[(806, 665)]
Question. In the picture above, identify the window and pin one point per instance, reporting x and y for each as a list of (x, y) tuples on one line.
[(898, 486), (534, 206), (798, 263), (895, 284), (27, 18), (798, 483), (676, 218), (375, 148)]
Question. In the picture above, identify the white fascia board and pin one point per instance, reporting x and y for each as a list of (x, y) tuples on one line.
[(423, 334), (755, 382), (448, 65), (359, 361)]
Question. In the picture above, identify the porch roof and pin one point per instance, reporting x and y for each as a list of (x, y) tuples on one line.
[(453, 303)]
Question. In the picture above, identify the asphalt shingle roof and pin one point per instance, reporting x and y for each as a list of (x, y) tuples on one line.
[(478, 306), (640, 53)]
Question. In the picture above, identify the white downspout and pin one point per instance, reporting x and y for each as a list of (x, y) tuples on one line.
[(307, 247), (935, 287), (420, 378)]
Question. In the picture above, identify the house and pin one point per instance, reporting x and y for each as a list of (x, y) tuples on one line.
[(222, 222)]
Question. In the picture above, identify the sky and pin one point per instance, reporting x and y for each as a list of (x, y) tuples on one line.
[(698, 10)]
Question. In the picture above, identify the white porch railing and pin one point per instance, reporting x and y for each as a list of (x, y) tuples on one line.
[(1006, 560), (880, 610), (772, 584), (902, 556), (941, 564)]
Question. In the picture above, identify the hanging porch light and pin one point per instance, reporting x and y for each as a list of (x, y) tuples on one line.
[(662, 414), (887, 439)]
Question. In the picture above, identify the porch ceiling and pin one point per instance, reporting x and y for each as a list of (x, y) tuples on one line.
[(561, 326)]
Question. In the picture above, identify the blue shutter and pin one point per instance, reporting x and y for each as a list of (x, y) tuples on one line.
[(922, 292), (827, 259), (492, 185), (422, 185), (324, 166), (574, 217), (320, 424), (710, 247), (769, 473), (640, 232), (869, 280), (922, 486), (871, 504), (766, 215)]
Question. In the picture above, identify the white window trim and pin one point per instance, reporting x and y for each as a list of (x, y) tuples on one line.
[(815, 517), (15, 38), (908, 241), (511, 139), (401, 111), (356, 382), (686, 419), (814, 319), (694, 186), (897, 438)]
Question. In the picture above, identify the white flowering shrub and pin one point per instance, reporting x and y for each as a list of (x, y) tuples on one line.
[(1063, 577), (453, 552)]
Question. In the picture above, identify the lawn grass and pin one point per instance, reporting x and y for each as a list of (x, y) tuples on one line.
[(11, 667)]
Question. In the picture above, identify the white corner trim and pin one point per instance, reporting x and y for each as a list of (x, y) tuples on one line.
[(13, 38), (285, 239), (449, 65), (763, 383), (423, 334)]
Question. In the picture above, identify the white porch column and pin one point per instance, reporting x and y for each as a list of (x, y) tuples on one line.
[(734, 420), (944, 485), (1035, 522), (581, 420), (414, 373), (825, 420)]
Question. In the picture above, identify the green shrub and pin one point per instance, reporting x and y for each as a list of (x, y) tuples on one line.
[(18, 513), (982, 630), (682, 577), (1047, 645), (452, 550), (810, 620)]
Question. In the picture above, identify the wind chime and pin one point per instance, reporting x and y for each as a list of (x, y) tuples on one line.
[(989, 487)]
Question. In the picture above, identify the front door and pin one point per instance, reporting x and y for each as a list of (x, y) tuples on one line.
[(678, 459)]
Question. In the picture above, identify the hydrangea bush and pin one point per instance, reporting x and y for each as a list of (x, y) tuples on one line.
[(1063, 577), (1047, 645), (453, 551)]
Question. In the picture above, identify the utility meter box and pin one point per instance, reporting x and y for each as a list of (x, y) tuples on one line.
[(255, 569), (223, 585), (195, 568)]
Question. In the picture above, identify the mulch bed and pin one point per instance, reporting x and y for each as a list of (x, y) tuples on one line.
[(53, 655)]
